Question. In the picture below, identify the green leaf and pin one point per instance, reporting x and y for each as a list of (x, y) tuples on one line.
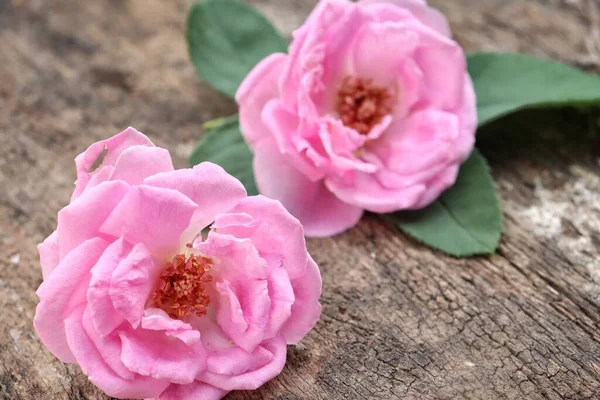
[(466, 220), (505, 83), (224, 145), (226, 39)]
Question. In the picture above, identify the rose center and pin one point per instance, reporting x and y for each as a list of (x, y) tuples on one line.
[(361, 105), (181, 290)]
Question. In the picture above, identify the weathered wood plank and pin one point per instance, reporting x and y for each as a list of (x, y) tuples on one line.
[(399, 321)]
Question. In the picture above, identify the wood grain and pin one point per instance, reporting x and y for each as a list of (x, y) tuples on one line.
[(400, 321)]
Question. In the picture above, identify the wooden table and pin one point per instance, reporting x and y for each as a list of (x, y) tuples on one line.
[(399, 321)]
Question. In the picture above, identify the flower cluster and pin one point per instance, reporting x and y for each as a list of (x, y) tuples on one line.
[(149, 308), (372, 109)]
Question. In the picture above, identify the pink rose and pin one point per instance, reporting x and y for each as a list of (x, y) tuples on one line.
[(372, 109), (148, 314)]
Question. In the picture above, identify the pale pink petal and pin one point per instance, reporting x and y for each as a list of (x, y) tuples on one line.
[(48, 250), (379, 129), (132, 283), (102, 312), (366, 192), (371, 53), (235, 258), (282, 297), (230, 315), (111, 149), (326, 30), (384, 11), (395, 180), (100, 175), (341, 143), (337, 63), (98, 372), (213, 338), (435, 188), (61, 292), (414, 152), (320, 212), (136, 163), (157, 320), (109, 347), (238, 224), (424, 140), (236, 361), (306, 308), (419, 8), (243, 311), (156, 217), (153, 354), (277, 232), (82, 219), (208, 185), (435, 53), (260, 86), (253, 379), (410, 82), (467, 114), (256, 304), (193, 391), (282, 125), (189, 337)]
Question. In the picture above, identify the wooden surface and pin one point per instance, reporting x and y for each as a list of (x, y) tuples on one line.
[(399, 321)]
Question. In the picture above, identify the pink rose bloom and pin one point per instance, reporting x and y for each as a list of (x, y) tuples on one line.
[(372, 109), (148, 308)]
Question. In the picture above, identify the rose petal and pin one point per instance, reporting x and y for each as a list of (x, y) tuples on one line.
[(434, 188), (410, 80), (366, 192), (230, 315), (109, 347), (306, 308), (253, 379), (157, 320), (435, 54), (419, 8), (48, 250), (194, 390), (283, 124), (102, 311), (238, 224), (282, 297), (100, 175), (98, 372), (277, 232), (467, 115), (81, 220), (320, 212), (341, 143), (136, 163), (112, 149), (156, 217), (243, 311), (208, 185), (303, 71), (422, 141), (152, 353), (260, 86), (371, 52), (61, 292), (235, 258), (132, 282)]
